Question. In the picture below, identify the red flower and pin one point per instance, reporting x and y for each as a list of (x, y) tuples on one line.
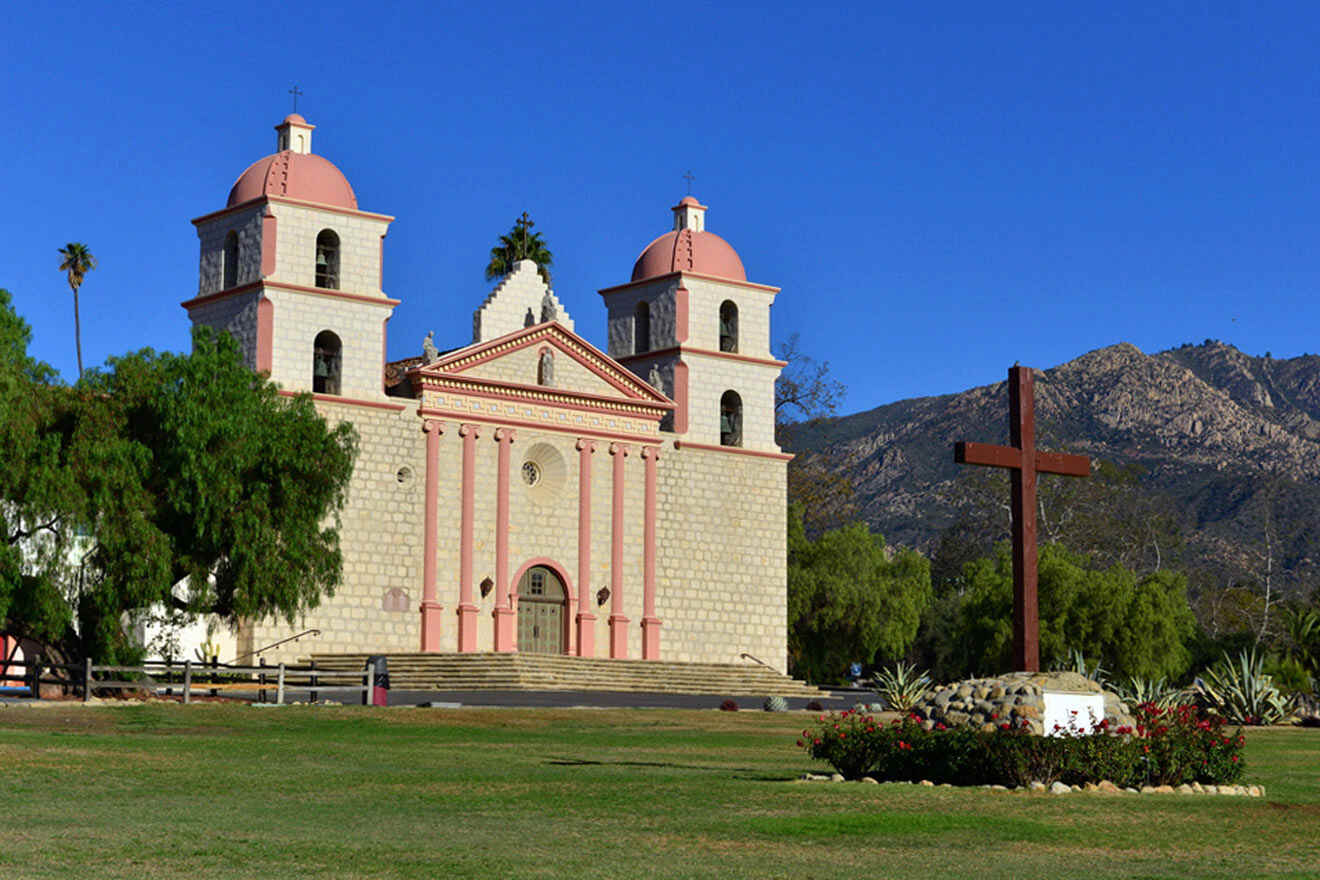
[(1005, 726), (903, 746), (939, 725), (843, 736), (994, 716), (817, 741), (801, 744), (1235, 757)]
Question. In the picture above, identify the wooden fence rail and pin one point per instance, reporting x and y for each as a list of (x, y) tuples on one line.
[(166, 675)]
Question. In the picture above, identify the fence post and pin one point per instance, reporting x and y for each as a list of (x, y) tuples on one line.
[(279, 691), (311, 697), (187, 681), (215, 662), (87, 678), (261, 677), (34, 675), (169, 675)]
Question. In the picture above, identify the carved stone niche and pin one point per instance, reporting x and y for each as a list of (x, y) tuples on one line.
[(394, 600)]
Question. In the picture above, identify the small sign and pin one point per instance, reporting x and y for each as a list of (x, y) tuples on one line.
[(1068, 714)]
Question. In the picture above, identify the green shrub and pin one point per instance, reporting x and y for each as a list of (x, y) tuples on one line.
[(1168, 746), (1241, 691), (902, 686), (1157, 691)]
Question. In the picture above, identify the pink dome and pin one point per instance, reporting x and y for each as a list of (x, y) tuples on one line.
[(686, 251), (303, 176)]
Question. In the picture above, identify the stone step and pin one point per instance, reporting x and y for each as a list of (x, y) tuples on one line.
[(513, 671)]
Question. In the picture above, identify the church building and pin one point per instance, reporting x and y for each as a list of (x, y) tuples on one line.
[(526, 491)]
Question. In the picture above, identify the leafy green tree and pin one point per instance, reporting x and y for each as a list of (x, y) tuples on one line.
[(77, 262), (176, 468), (850, 599), (520, 244), (1135, 625)]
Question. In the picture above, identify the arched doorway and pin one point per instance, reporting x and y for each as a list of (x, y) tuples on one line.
[(542, 612)]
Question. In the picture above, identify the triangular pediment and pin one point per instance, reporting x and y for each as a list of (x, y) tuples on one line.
[(511, 365)]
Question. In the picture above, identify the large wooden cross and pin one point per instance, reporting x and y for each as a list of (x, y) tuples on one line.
[(1024, 463)]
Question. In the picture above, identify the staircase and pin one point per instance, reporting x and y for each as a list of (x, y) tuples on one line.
[(558, 672)]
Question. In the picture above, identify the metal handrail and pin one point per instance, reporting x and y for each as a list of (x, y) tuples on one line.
[(745, 656), (306, 632)]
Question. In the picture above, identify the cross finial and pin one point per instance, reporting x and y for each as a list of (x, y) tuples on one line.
[(688, 176), (295, 91), (524, 223)]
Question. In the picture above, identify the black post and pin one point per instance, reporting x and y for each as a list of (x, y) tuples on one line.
[(87, 679), (215, 663), (34, 675), (261, 678), (169, 675), (311, 698)]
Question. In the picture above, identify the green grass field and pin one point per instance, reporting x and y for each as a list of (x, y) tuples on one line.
[(216, 791)]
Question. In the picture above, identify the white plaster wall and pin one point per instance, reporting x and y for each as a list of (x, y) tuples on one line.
[(299, 317), (212, 234), (296, 230), (505, 309), (235, 315)]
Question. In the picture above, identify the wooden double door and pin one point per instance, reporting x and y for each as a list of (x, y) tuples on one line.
[(542, 612)]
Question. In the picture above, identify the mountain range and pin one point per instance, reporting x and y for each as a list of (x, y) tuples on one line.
[(1226, 444)]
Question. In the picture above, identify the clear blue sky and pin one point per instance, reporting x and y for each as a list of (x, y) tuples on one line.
[(939, 193)]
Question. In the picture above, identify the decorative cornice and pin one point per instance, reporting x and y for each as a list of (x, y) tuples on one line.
[(346, 401), (680, 275), (266, 199), (284, 285), (542, 395), (737, 450), (704, 352), (478, 421)]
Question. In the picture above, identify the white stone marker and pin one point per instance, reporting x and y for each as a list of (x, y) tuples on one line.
[(1073, 713)]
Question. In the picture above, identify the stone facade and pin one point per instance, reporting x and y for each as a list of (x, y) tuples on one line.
[(527, 447)]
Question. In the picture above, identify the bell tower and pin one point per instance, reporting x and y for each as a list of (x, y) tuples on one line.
[(690, 321), (292, 269)]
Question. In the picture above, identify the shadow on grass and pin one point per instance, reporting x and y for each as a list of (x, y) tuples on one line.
[(745, 773)]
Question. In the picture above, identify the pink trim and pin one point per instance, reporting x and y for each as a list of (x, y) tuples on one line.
[(547, 562), (281, 285), (380, 267), (467, 610), (384, 357), (260, 200), (430, 537), (681, 314), (737, 450), (680, 398), (618, 621), (347, 401), (595, 360), (605, 291), (503, 614), (687, 349), (550, 427), (265, 335), (267, 243), (650, 623), (586, 620), (535, 394)]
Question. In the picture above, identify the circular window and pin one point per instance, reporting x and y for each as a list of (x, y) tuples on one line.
[(544, 472)]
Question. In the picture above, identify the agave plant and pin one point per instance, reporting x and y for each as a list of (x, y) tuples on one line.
[(1140, 690), (1077, 663), (1241, 692), (902, 686)]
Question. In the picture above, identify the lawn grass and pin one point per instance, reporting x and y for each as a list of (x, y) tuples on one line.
[(220, 791)]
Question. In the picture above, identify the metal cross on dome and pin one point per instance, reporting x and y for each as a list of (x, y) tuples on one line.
[(1024, 462), (295, 91), (688, 176)]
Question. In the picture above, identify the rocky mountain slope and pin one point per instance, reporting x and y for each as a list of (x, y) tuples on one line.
[(1229, 443)]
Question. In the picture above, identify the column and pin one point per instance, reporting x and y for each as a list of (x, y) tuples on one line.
[(467, 609), (650, 623), (430, 537), (618, 622), (503, 613), (586, 620)]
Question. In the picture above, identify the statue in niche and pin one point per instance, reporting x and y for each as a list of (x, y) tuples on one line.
[(655, 380), (548, 310), (530, 318), (545, 369), (429, 352)]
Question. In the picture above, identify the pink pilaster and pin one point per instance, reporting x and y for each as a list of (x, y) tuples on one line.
[(467, 609), (650, 623), (430, 524), (618, 621), (586, 621), (503, 613)]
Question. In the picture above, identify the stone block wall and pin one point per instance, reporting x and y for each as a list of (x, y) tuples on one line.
[(299, 317), (297, 227), (704, 301), (506, 308), (621, 320), (236, 315), (212, 234)]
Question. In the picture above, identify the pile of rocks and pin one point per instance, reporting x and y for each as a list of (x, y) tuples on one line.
[(986, 703), (1103, 787)]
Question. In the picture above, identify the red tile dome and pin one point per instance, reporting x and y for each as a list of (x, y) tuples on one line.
[(303, 176), (685, 250)]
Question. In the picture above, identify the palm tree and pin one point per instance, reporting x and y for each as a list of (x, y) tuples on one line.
[(520, 244), (78, 261)]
